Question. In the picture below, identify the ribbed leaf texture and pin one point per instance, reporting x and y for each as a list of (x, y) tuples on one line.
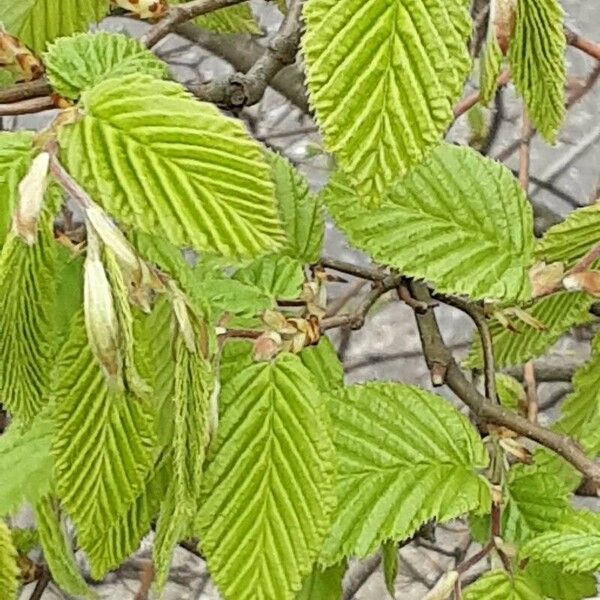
[(429, 225), (498, 585), (25, 464), (193, 382), (572, 238), (580, 411), (103, 449), (322, 361), (16, 153), (490, 67), (78, 63), (537, 58), (27, 290), (232, 19), (558, 313), (58, 552), (383, 76), (268, 485), (300, 211), (323, 583), (536, 500), (37, 22), (236, 356), (574, 543), (158, 160), (511, 392), (389, 556), (9, 572), (558, 585), (404, 457)]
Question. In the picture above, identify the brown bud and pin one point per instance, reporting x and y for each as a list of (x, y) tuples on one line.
[(586, 281), (144, 9), (18, 59), (502, 19), (546, 279)]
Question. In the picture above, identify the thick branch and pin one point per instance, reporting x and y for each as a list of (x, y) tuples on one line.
[(23, 91), (25, 107), (436, 352)]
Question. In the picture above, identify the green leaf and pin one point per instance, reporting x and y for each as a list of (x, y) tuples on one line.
[(27, 291), (58, 552), (232, 19), (78, 63), (558, 313), (322, 361), (16, 154), (491, 65), (191, 435), (558, 585), (323, 583), (537, 59), (236, 356), (103, 449), (36, 22), (429, 225), (498, 585), (389, 553), (25, 464), (268, 484), (9, 572), (536, 500), (511, 393), (580, 410), (571, 239), (182, 168), (300, 211), (383, 76), (574, 543), (405, 457)]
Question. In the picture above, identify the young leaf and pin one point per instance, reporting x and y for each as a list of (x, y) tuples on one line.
[(491, 64), (322, 361), (16, 154), (231, 19), (236, 356), (27, 290), (103, 449), (580, 411), (78, 63), (558, 313), (537, 59), (405, 457), (429, 225), (9, 572), (571, 239), (574, 543), (183, 168), (300, 211), (25, 464), (511, 392), (384, 96), (58, 553), (268, 485), (498, 585), (37, 22), (559, 585), (389, 552), (323, 583)]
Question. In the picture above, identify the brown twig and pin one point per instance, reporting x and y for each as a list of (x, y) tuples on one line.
[(371, 273), (146, 577), (472, 99), (40, 587), (24, 91), (587, 46), (25, 107), (531, 391), (473, 560)]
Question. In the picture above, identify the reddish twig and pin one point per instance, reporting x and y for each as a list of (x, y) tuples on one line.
[(587, 46)]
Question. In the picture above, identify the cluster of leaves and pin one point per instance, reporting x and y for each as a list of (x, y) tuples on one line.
[(130, 405)]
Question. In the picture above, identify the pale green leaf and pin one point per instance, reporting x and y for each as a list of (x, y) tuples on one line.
[(574, 543), (103, 449), (37, 22), (268, 484), (429, 225), (580, 410), (571, 239), (389, 555), (27, 291), (281, 4), (25, 464), (558, 313), (236, 356), (193, 383), (78, 63), (232, 19), (511, 392), (537, 59), (158, 160), (322, 361), (9, 572), (498, 585), (383, 76), (16, 154), (323, 583), (558, 585), (300, 211), (58, 552), (490, 66), (405, 457)]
